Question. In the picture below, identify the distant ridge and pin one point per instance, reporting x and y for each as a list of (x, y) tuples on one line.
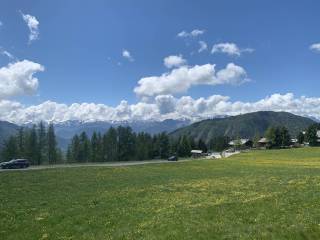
[(245, 125)]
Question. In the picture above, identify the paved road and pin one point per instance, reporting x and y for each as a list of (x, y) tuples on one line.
[(111, 164)]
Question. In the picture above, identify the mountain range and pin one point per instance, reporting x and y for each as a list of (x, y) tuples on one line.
[(66, 130), (245, 126)]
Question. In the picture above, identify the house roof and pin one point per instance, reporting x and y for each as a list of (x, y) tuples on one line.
[(242, 141), (196, 151), (264, 140)]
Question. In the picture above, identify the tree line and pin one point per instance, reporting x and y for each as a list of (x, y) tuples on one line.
[(38, 144), (122, 144)]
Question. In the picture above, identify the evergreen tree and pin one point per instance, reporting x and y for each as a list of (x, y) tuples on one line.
[(126, 144), (69, 157), (300, 138), (184, 148), (10, 149), (94, 147), (75, 149), (202, 146), (42, 143), (143, 145), (52, 145), (311, 135), (163, 145), (21, 143), (32, 146), (219, 143), (84, 148), (285, 137), (110, 145), (100, 155)]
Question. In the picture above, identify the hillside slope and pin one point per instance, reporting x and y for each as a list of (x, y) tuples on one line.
[(245, 126)]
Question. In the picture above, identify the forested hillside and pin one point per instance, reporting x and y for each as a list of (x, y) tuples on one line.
[(245, 126)]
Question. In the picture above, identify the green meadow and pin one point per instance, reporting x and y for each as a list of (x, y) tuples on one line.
[(271, 194)]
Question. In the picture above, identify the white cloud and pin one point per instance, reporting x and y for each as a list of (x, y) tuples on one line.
[(33, 25), (7, 54), (174, 61), (181, 79), (229, 48), (203, 46), (193, 33), (315, 47), (161, 108), (1, 24), (126, 54), (17, 79)]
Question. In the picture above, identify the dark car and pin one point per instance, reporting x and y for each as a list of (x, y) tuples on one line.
[(15, 163), (173, 158)]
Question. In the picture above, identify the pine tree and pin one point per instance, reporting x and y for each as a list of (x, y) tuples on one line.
[(219, 143), (75, 148), (202, 146), (126, 144), (42, 143), (52, 145), (311, 135), (94, 147), (84, 148), (142, 146), (21, 143), (100, 155), (69, 157), (110, 145), (32, 146), (184, 148), (285, 137), (164, 146), (10, 149), (300, 138)]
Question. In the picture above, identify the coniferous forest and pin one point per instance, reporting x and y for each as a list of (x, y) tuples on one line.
[(38, 144)]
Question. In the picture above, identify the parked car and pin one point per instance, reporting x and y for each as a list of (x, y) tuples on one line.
[(173, 158), (15, 163)]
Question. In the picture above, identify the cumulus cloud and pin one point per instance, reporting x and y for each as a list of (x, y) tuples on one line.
[(174, 61), (230, 49), (33, 25), (165, 103), (18, 78), (179, 80), (161, 108), (203, 46), (126, 54), (315, 47), (193, 33)]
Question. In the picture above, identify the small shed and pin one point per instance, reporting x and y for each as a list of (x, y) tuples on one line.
[(196, 153)]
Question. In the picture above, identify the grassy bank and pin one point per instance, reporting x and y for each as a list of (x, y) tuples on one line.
[(258, 195)]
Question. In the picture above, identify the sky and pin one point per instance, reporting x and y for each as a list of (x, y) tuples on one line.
[(154, 60)]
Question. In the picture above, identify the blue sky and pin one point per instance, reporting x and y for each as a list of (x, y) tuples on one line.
[(80, 45)]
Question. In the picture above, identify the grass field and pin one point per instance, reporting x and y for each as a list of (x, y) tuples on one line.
[(258, 195)]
